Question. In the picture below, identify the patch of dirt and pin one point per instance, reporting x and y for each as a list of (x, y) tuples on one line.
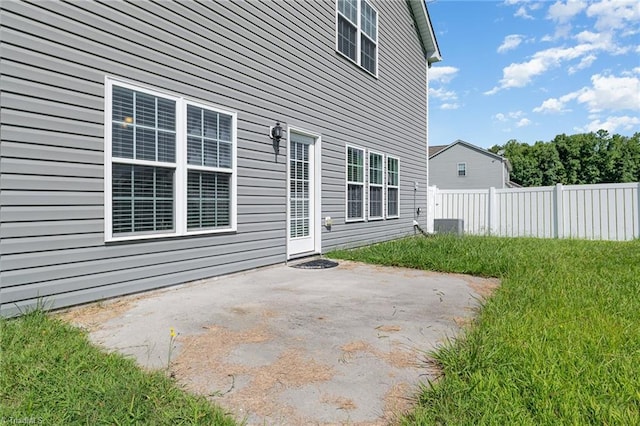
[(357, 346), (401, 356), (463, 321), (291, 369), (202, 363), (348, 264), (91, 317), (388, 328), (484, 288), (202, 354), (340, 402), (398, 401)]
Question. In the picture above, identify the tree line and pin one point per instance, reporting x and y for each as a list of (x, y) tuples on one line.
[(585, 158)]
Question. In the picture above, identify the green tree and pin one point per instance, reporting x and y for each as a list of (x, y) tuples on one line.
[(524, 167), (584, 158), (548, 162), (622, 162)]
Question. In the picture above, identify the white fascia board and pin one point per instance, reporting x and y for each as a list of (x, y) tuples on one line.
[(421, 15)]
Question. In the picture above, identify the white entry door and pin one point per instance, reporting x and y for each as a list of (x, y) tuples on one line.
[(302, 227)]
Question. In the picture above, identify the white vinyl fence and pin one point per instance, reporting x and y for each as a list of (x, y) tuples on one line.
[(598, 212)]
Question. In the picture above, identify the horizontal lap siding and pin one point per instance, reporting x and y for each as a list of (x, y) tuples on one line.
[(399, 96), (266, 63)]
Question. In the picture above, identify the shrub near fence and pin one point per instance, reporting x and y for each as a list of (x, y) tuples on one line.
[(597, 212)]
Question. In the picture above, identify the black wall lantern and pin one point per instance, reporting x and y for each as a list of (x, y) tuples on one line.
[(276, 135)]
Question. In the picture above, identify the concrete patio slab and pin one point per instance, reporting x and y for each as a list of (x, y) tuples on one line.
[(282, 345)]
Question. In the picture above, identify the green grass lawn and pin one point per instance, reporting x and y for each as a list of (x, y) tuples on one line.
[(50, 374), (558, 343)]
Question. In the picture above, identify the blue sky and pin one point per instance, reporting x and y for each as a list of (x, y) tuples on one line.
[(529, 70)]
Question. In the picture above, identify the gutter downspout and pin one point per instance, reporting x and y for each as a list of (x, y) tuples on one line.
[(426, 104), (416, 224)]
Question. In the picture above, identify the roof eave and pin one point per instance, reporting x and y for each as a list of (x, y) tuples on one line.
[(421, 15)]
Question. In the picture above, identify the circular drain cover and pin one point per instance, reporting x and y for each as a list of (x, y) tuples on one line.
[(316, 264)]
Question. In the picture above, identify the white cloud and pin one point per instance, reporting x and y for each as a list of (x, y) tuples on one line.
[(612, 124), (603, 41), (522, 13), (525, 6), (584, 63), (551, 105), (510, 42), (512, 116), (442, 74), (521, 74), (563, 12), (611, 93), (442, 93), (590, 37), (614, 14), (449, 106)]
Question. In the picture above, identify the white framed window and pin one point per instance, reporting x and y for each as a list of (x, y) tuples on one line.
[(376, 186), (462, 169), (355, 184), (169, 164), (357, 33), (393, 187)]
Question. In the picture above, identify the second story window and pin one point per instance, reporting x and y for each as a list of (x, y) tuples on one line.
[(357, 33), (462, 169)]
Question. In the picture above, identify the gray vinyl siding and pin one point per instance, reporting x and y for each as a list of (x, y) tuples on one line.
[(266, 63), (483, 169)]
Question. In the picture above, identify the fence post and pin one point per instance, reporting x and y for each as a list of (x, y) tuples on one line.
[(432, 196), (638, 212), (558, 211), (491, 211)]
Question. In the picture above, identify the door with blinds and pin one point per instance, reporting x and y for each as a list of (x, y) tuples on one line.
[(301, 226)]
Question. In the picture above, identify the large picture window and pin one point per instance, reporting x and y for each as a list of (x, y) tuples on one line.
[(393, 187), (169, 165), (376, 185), (355, 183), (357, 33)]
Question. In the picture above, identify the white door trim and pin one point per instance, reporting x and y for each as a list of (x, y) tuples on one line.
[(317, 196)]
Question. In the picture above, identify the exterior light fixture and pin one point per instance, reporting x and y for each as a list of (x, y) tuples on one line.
[(276, 135)]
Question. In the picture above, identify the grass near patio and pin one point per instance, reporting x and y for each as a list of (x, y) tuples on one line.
[(50, 374), (559, 342)]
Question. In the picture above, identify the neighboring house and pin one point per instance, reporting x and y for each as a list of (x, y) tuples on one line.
[(462, 165), (137, 149)]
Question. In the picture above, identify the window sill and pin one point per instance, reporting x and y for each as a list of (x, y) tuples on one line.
[(168, 236), (354, 220)]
